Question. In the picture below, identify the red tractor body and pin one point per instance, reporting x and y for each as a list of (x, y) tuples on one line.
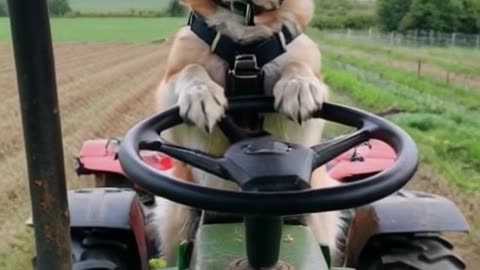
[(100, 156)]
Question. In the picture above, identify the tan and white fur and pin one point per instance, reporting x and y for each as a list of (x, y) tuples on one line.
[(195, 81)]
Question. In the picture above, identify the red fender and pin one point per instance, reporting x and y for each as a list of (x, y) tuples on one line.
[(101, 156), (369, 158)]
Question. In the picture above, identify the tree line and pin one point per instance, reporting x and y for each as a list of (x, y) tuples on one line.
[(388, 15), (62, 8), (3, 9), (55, 7), (438, 15)]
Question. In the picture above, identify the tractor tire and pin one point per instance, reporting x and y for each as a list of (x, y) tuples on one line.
[(97, 253), (93, 252), (410, 252)]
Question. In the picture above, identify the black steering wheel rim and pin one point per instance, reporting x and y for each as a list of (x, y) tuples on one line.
[(345, 196)]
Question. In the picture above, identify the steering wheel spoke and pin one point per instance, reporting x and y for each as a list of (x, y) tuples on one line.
[(331, 149), (196, 158)]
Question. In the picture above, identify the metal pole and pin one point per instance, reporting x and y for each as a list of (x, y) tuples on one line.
[(42, 132)]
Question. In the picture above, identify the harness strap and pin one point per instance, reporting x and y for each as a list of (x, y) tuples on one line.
[(245, 75), (226, 48)]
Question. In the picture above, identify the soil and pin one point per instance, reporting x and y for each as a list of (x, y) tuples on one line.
[(103, 90)]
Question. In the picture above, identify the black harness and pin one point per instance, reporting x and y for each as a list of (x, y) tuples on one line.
[(245, 75)]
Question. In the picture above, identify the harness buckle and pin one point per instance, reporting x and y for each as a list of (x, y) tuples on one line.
[(246, 67), (243, 8), (245, 79)]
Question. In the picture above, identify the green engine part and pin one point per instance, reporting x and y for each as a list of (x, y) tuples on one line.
[(218, 246)]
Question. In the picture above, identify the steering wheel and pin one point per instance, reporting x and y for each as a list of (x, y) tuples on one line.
[(273, 175)]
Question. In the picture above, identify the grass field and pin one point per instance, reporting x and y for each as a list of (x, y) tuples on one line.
[(109, 85), (105, 29), (443, 118)]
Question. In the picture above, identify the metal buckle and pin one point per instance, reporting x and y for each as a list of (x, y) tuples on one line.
[(243, 8), (246, 67), (245, 78), (283, 41), (190, 18)]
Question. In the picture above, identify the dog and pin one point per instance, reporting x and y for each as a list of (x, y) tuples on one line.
[(195, 81)]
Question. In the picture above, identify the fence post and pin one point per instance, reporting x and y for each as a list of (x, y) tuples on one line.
[(477, 43), (416, 37), (392, 35), (454, 37), (349, 33), (419, 68), (431, 37), (370, 33)]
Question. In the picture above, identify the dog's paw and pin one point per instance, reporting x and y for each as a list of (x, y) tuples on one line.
[(202, 104), (298, 97), (268, 4)]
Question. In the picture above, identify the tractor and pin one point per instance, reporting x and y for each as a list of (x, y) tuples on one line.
[(260, 226), (398, 231)]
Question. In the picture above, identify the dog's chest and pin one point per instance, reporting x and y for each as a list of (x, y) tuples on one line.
[(217, 69)]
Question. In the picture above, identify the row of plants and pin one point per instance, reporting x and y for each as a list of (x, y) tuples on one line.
[(445, 129)]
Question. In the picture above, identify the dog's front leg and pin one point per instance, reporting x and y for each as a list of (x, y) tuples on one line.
[(202, 101), (299, 92)]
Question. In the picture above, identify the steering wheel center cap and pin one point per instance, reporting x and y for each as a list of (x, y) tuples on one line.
[(269, 147)]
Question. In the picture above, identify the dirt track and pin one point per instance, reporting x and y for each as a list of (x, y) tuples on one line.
[(104, 89)]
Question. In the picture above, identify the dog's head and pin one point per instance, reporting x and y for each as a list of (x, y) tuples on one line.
[(234, 15)]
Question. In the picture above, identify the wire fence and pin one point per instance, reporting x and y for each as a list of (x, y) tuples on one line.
[(416, 38)]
